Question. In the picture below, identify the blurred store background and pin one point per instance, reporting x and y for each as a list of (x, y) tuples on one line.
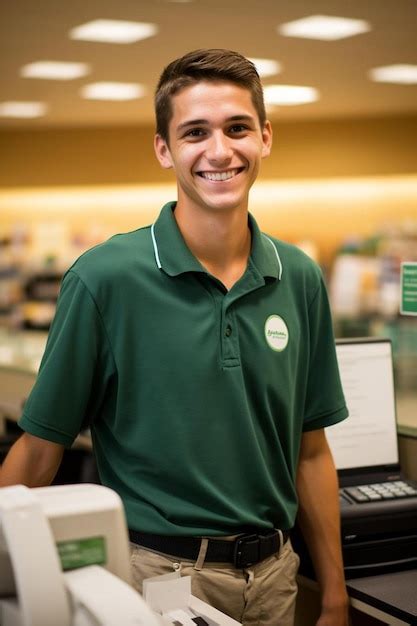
[(77, 163)]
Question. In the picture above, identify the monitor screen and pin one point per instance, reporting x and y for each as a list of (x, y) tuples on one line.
[(368, 437)]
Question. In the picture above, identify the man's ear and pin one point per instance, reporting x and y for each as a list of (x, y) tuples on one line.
[(266, 139), (162, 152)]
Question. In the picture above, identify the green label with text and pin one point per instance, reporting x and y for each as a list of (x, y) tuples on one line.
[(409, 288), (81, 552)]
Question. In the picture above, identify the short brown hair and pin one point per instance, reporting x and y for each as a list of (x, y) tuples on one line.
[(213, 64)]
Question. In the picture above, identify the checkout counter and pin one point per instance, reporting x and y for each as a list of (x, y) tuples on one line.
[(20, 357), (383, 599)]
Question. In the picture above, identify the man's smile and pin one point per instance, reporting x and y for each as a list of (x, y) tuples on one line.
[(221, 176)]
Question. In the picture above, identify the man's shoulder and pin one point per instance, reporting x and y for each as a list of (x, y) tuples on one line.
[(114, 256), (116, 250), (294, 260)]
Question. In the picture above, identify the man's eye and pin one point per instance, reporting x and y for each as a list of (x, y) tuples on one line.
[(238, 128), (195, 132)]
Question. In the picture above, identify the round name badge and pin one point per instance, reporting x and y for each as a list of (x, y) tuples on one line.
[(276, 333)]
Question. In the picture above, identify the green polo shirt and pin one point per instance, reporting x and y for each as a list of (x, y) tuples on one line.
[(196, 396)]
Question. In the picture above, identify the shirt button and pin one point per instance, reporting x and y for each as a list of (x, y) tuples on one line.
[(228, 331)]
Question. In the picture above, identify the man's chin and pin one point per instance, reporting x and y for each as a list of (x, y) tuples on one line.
[(224, 206)]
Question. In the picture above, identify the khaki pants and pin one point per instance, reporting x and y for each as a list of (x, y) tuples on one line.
[(262, 595)]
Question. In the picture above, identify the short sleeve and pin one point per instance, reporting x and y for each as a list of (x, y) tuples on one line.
[(325, 403), (75, 369)]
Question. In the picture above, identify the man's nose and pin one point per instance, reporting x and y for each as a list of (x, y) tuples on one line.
[(219, 148)]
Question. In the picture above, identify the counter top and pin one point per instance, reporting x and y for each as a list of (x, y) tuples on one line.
[(22, 351), (394, 593), (407, 414), (389, 597)]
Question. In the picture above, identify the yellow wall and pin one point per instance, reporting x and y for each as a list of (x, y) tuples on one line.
[(124, 155), (324, 181)]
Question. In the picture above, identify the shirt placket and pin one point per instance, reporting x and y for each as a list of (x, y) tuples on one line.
[(229, 336)]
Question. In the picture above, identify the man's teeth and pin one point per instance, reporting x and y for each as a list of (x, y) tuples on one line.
[(219, 175)]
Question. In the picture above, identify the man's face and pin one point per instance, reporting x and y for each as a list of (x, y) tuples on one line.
[(215, 145)]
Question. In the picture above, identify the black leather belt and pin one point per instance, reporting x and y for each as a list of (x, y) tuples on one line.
[(244, 551)]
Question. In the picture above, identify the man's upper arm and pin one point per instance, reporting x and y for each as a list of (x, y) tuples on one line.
[(313, 444), (325, 403), (75, 369)]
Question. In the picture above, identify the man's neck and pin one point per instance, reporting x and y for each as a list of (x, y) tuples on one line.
[(221, 240)]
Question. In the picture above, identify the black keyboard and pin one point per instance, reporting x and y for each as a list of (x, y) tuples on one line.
[(380, 491)]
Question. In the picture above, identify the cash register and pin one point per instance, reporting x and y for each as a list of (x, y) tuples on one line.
[(378, 504), (64, 559)]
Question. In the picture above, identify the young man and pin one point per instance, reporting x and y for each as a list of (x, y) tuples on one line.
[(201, 354)]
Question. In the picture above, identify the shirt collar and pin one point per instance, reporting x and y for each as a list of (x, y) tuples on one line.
[(173, 256), (264, 253)]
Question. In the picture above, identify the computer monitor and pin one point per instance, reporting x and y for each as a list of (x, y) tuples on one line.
[(368, 437)]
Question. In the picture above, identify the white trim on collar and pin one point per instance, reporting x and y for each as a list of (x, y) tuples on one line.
[(277, 255), (155, 247), (158, 261)]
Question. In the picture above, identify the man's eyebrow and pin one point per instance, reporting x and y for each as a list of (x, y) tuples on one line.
[(233, 118), (191, 123), (244, 117)]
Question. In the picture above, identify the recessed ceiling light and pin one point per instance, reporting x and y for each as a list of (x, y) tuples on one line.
[(400, 73), (266, 67), (54, 70), (288, 95), (22, 109), (324, 27), (113, 31), (113, 91)]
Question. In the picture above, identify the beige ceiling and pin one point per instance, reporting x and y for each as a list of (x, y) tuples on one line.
[(33, 30)]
